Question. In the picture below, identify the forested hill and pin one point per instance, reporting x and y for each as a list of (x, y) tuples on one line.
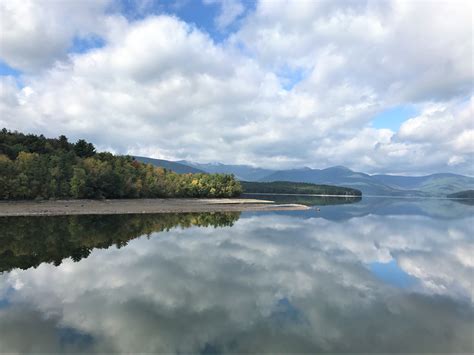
[(286, 187), (171, 165), (35, 167)]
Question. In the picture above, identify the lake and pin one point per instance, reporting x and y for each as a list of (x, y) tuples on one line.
[(375, 275)]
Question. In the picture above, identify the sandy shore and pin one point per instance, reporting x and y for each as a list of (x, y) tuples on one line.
[(76, 207)]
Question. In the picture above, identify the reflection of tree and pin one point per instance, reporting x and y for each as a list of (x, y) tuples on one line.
[(308, 200), (467, 201), (29, 241)]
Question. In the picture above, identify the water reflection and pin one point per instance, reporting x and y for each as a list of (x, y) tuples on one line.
[(270, 283), (465, 201), (308, 200), (443, 209), (29, 241)]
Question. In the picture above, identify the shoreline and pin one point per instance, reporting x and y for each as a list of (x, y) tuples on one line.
[(139, 206), (362, 196), (298, 194)]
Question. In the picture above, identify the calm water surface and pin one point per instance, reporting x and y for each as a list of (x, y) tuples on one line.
[(377, 275)]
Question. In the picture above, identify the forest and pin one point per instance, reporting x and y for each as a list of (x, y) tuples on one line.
[(287, 187), (36, 167)]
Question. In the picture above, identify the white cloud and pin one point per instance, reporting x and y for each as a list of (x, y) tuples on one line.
[(163, 88), (446, 130), (403, 50), (36, 33)]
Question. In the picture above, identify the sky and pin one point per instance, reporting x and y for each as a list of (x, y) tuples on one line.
[(377, 86)]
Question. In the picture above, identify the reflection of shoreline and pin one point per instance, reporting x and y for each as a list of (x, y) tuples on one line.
[(417, 197), (443, 209), (30, 241), (317, 195), (307, 199), (464, 201)]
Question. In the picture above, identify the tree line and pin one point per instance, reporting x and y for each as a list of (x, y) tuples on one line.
[(286, 187), (36, 167)]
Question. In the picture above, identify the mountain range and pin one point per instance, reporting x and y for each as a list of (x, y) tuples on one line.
[(440, 184), (177, 167)]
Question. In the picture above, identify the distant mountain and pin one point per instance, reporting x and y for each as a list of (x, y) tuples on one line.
[(391, 185), (241, 172), (171, 165), (337, 175), (383, 185), (438, 184)]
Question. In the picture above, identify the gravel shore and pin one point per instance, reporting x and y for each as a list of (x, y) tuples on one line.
[(172, 205)]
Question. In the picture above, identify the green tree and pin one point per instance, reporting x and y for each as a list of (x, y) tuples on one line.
[(84, 149), (78, 183), (38, 167)]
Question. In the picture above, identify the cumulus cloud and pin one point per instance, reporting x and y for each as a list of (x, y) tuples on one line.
[(36, 33), (297, 84), (403, 50), (445, 129)]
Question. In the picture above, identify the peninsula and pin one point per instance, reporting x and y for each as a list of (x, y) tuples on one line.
[(140, 206)]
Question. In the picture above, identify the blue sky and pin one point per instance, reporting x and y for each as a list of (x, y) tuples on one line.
[(200, 13), (196, 12), (6, 70), (392, 118), (85, 44)]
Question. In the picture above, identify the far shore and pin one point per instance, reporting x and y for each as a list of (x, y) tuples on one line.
[(296, 194), (130, 206)]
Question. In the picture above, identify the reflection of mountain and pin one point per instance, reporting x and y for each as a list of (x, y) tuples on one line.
[(434, 208), (29, 241)]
